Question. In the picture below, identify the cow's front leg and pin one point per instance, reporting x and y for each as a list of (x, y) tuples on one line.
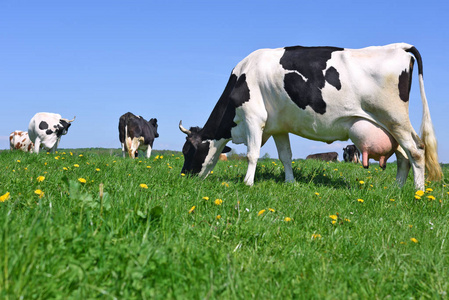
[(37, 145), (148, 154), (123, 150), (403, 164), (285, 154)]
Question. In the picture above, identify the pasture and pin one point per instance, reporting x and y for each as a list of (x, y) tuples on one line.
[(340, 231)]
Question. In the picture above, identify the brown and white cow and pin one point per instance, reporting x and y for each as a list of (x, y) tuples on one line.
[(320, 93), (327, 156), (19, 140)]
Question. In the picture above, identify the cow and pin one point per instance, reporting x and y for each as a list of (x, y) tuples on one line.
[(135, 133), (223, 157), (351, 154), (327, 156), (45, 130), (19, 140), (318, 93)]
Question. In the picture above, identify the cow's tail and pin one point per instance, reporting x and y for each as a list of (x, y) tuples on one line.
[(434, 171)]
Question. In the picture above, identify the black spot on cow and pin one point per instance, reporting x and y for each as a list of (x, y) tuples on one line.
[(333, 77), (221, 120), (404, 85), (48, 131), (307, 77), (43, 125)]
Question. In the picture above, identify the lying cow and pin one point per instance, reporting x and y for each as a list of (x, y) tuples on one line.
[(351, 154), (327, 156), (45, 130), (318, 93), (19, 140), (136, 133)]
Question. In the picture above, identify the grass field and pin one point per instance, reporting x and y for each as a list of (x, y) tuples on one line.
[(83, 224)]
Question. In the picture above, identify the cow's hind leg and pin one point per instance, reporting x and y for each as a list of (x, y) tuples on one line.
[(285, 154), (414, 148)]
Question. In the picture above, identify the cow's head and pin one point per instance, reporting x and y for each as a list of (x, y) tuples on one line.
[(200, 155), (63, 126), (153, 124)]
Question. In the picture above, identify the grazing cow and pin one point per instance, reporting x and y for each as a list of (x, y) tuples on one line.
[(351, 154), (19, 140), (319, 93), (136, 133), (328, 156), (223, 157), (45, 130)]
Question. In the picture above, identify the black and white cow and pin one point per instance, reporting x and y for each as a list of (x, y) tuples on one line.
[(45, 130), (351, 154), (320, 93), (136, 133)]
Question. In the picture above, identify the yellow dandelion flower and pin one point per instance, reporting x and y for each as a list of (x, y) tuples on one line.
[(419, 193), (148, 167), (212, 172), (4, 197), (392, 200), (56, 157), (205, 198), (347, 220), (287, 219), (414, 240), (333, 217), (143, 185), (316, 236), (261, 212), (317, 194), (82, 180), (218, 217), (18, 160), (428, 190), (362, 182), (39, 192), (272, 210), (360, 200), (333, 221), (97, 169), (76, 165), (430, 197), (71, 154), (80, 155), (192, 209), (225, 184), (417, 197), (64, 168), (40, 178), (218, 201), (182, 174)]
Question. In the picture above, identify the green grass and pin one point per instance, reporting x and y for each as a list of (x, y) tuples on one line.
[(143, 243)]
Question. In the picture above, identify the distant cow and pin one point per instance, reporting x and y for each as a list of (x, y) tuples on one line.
[(351, 154), (136, 133), (45, 130), (323, 94), (19, 140), (223, 157), (327, 156)]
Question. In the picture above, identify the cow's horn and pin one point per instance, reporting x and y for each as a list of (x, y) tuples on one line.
[(70, 121), (183, 129)]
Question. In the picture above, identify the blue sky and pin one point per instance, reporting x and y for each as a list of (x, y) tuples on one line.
[(171, 60)]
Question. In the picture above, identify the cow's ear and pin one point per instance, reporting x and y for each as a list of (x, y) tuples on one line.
[(226, 149)]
